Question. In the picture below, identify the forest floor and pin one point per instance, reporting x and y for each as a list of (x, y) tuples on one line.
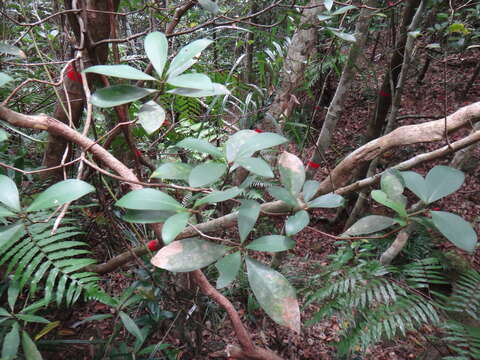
[(212, 332)]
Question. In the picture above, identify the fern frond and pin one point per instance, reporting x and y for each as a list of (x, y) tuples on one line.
[(462, 339)]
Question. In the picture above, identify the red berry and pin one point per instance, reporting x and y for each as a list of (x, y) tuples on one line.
[(153, 245), (258, 131)]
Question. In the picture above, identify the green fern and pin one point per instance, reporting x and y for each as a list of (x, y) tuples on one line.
[(34, 254), (465, 297), (463, 340)]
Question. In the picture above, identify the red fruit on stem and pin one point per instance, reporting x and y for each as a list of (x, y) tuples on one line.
[(153, 245)]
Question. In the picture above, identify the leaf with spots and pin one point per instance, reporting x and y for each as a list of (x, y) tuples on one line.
[(292, 172), (369, 225)]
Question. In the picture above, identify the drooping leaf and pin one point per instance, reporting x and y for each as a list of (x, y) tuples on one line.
[(188, 255), (327, 201), (200, 145), (205, 174), (172, 171), (131, 325), (118, 95), (343, 35), (271, 243), (328, 4), (174, 226), (442, 181), (382, 198), (256, 166), (322, 17), (219, 196), (274, 294), (217, 89), (455, 229), (416, 184), (247, 217), (151, 116), (187, 56), (4, 79), (259, 141), (149, 199), (11, 342), (156, 48), (29, 348), (119, 71), (61, 193), (392, 184), (344, 9), (292, 172), (11, 50), (310, 188), (146, 216), (209, 5), (296, 223), (283, 194), (235, 143), (9, 193), (369, 225), (192, 81), (228, 268)]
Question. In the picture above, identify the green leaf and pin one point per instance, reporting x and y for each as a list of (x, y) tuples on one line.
[(192, 81), (228, 268), (3, 135), (322, 17), (29, 348), (131, 326), (209, 5), (187, 56), (173, 171), (219, 196), (327, 201), (118, 95), (247, 217), (11, 341), (32, 318), (455, 229), (156, 48), (151, 116), (328, 4), (392, 184), (344, 9), (259, 142), (13, 291), (256, 166), (119, 71), (4, 313), (416, 184), (205, 174), (174, 226), (235, 143), (188, 255), (296, 223), (4, 79), (61, 193), (9, 193), (342, 35), (149, 199), (271, 243), (5, 213), (310, 188), (443, 181), (11, 50), (292, 172), (382, 198), (283, 194), (146, 216), (217, 89), (274, 294), (200, 145), (369, 225)]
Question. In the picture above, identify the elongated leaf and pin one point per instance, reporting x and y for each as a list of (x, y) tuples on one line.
[(442, 181), (118, 95), (4, 79), (11, 50), (3, 134), (205, 174), (209, 5), (173, 171), (235, 143), (455, 229), (283, 194), (29, 348), (217, 89), (344, 36), (131, 325), (5, 213), (292, 172), (296, 223), (188, 255), (416, 184), (380, 197), (327, 201), (259, 141), (274, 294), (32, 318), (247, 217), (219, 196), (369, 225), (228, 268), (146, 216), (13, 291), (151, 116), (200, 145), (9, 193), (328, 4), (271, 243), (119, 71), (187, 56), (156, 48), (192, 81), (174, 226), (310, 188), (61, 193), (149, 199), (11, 342), (256, 166), (344, 9)]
